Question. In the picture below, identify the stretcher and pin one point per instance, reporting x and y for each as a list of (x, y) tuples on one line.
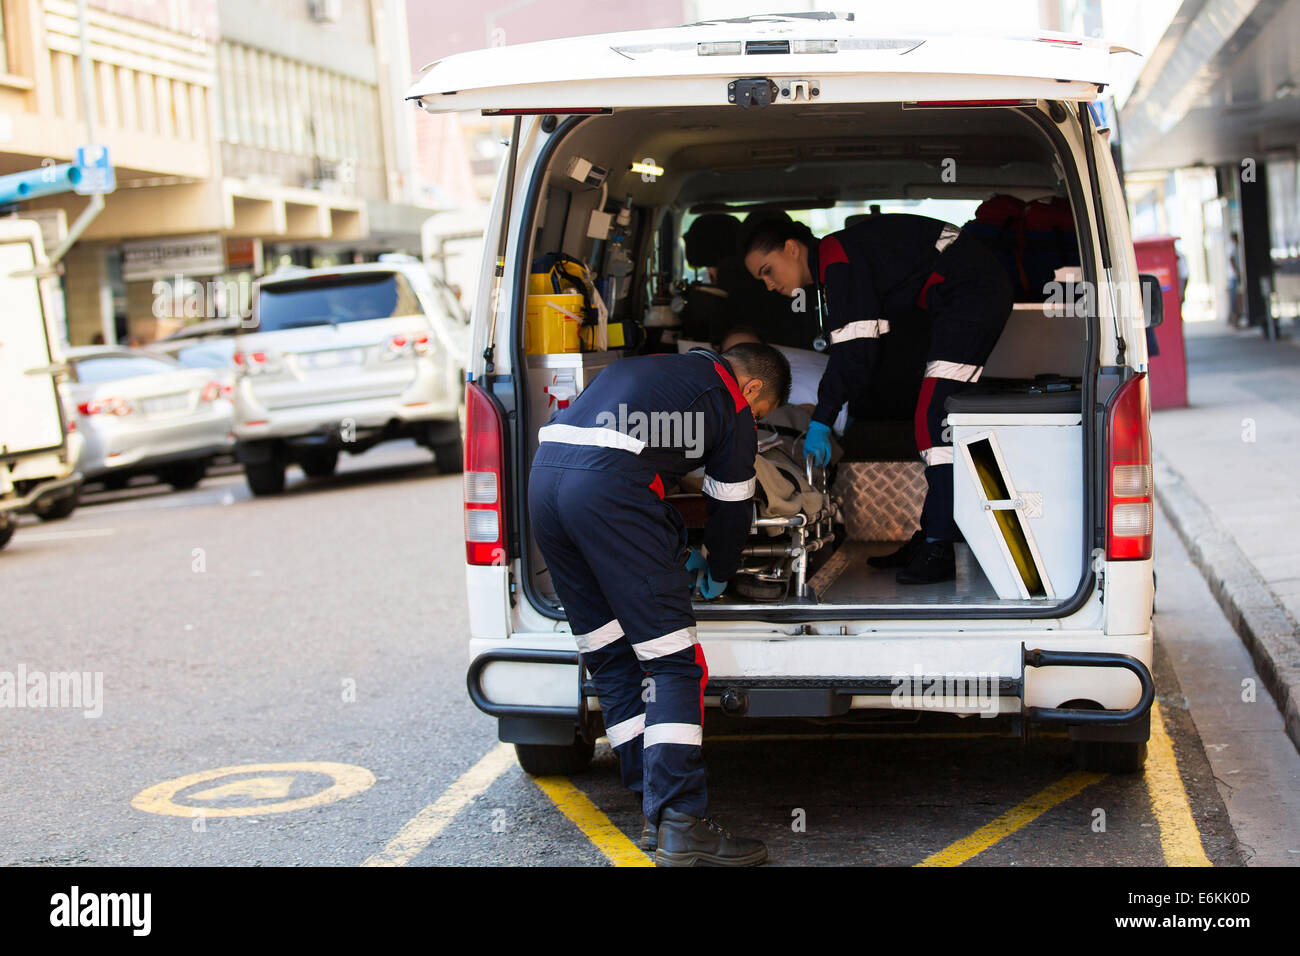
[(794, 513)]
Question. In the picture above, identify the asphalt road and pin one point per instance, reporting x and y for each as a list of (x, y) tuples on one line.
[(327, 627)]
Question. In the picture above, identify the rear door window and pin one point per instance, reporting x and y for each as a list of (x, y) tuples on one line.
[(110, 368), (335, 299)]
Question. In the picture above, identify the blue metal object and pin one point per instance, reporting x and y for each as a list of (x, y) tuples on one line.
[(46, 181), (96, 171)]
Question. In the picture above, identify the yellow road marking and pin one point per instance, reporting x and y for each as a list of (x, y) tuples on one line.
[(348, 781), (1011, 821), (258, 788), (421, 829), (588, 818), (1179, 837)]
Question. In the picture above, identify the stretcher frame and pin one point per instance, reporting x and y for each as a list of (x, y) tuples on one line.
[(807, 533)]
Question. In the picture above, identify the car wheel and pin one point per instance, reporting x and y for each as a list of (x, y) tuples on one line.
[(319, 462), (115, 482), (1110, 756), (265, 478), (8, 524), (185, 475), (450, 456), (543, 760), (58, 508)]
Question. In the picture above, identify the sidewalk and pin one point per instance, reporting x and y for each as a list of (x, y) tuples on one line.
[(1228, 478)]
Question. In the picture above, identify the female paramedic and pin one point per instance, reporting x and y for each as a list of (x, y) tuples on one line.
[(879, 271)]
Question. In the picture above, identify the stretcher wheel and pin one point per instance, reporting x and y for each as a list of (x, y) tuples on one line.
[(757, 590)]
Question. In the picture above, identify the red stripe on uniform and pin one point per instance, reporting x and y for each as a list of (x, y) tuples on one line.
[(934, 280), (829, 252), (704, 678), (657, 486), (732, 387), (921, 420)]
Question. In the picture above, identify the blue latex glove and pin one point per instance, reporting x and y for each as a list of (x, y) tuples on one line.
[(709, 588), (817, 443)]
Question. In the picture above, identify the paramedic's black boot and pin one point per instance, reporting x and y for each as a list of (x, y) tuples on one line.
[(900, 558), (649, 835), (935, 561), (685, 840)]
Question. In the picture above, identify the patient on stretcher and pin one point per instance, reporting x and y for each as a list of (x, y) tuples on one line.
[(793, 513)]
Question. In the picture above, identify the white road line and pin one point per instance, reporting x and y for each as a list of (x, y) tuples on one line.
[(60, 535), (147, 504), (425, 826)]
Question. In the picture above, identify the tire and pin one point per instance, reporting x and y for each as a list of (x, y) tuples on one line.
[(265, 478), (1110, 756), (450, 456), (541, 760), (57, 509), (186, 475), (115, 482), (8, 525), (319, 462)]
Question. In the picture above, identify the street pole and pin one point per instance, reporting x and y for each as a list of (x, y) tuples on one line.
[(107, 326)]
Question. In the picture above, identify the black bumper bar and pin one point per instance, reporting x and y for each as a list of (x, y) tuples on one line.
[(831, 693)]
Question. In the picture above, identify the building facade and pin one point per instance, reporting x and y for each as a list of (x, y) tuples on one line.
[(243, 134)]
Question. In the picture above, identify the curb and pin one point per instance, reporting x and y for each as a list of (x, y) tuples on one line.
[(1257, 614)]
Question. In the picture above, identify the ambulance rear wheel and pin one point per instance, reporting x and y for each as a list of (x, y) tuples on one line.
[(542, 760), (1110, 756)]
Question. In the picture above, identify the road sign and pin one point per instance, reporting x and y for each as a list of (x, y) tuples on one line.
[(96, 171)]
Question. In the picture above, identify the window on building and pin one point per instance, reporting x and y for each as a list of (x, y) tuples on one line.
[(4, 40)]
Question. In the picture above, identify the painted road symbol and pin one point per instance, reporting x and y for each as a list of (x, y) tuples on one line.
[(315, 782)]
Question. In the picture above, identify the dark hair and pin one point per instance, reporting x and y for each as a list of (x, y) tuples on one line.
[(771, 234), (764, 363), (746, 330), (711, 239)]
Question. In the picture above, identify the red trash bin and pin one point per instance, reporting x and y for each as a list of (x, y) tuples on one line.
[(1168, 370)]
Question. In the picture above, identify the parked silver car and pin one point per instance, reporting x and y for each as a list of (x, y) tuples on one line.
[(215, 353), (342, 358), (142, 413)]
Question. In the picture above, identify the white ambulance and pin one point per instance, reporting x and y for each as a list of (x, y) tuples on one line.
[(619, 142)]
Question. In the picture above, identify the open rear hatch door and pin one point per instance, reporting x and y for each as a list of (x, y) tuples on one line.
[(808, 60)]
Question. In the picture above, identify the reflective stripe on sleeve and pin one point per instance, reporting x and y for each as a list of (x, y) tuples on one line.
[(599, 437), (863, 329), (729, 490), (626, 730), (594, 640), (663, 646), (689, 734), (937, 455), (953, 370)]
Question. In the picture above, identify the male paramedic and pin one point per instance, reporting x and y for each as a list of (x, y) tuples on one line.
[(617, 554), (879, 271)]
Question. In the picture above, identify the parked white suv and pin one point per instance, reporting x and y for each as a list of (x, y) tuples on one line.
[(619, 140), (342, 358)]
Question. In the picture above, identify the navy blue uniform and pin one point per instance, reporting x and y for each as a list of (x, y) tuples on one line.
[(616, 550), (877, 271)]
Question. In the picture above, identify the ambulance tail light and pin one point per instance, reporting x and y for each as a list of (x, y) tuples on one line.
[(1131, 493), (485, 526)]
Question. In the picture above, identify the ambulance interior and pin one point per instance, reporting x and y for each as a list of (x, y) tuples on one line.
[(620, 191)]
